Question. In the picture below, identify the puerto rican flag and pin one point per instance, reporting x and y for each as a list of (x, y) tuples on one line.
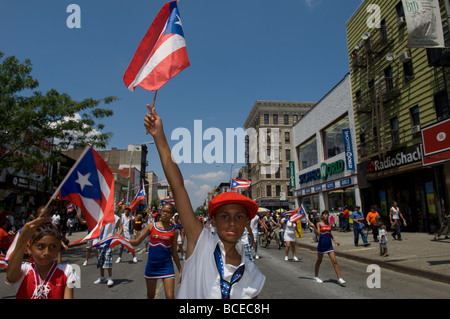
[(70, 207), (112, 241), (297, 214), (90, 186), (121, 202), (3, 262), (240, 183), (162, 53), (139, 196), (168, 200)]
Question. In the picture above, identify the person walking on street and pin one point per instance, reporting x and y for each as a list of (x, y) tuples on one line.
[(325, 246), (394, 216), (290, 237), (373, 221), (358, 226)]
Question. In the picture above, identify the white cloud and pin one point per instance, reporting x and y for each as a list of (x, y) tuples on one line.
[(211, 176)]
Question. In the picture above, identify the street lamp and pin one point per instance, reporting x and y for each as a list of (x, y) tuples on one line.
[(133, 148)]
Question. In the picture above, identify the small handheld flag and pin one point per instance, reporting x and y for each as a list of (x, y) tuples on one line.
[(168, 200), (297, 214), (139, 196), (240, 183), (113, 241), (162, 53)]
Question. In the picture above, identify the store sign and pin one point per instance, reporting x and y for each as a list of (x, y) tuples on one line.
[(331, 169), (349, 158), (322, 173), (396, 160), (423, 18), (436, 138)]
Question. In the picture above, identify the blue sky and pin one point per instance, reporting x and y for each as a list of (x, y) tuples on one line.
[(241, 51)]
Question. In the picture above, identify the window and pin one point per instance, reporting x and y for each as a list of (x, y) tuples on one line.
[(383, 31), (399, 9), (415, 115), (288, 154), (287, 137), (278, 190), (268, 190), (295, 118), (286, 119), (275, 119), (389, 79), (307, 153), (441, 105), (408, 70), (278, 173), (333, 138), (266, 118), (394, 130), (358, 96)]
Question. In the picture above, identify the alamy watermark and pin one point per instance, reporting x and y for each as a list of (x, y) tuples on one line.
[(235, 145)]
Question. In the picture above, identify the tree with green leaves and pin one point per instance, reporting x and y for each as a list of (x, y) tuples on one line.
[(33, 123)]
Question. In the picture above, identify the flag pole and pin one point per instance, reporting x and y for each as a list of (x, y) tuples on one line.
[(154, 98)]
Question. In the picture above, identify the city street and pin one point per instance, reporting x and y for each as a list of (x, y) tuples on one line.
[(284, 279)]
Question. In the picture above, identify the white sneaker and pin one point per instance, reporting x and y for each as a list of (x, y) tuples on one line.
[(118, 260), (110, 282), (341, 281), (99, 280), (295, 258), (256, 256), (85, 263), (318, 280), (135, 259), (286, 258)]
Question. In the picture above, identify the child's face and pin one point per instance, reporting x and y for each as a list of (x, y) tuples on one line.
[(230, 221), (45, 250), (166, 213)]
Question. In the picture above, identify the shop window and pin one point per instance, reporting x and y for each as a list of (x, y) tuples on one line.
[(333, 138), (307, 153)]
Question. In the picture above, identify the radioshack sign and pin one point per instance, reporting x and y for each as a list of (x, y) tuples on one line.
[(393, 160)]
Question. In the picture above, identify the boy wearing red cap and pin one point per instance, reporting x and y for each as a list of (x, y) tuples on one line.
[(216, 266)]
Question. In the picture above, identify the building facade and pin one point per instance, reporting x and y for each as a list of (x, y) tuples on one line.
[(397, 91), (268, 151), (325, 157)]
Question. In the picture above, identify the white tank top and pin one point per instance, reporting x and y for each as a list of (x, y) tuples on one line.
[(395, 213)]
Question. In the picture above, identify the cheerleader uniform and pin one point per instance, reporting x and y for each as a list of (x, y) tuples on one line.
[(159, 263), (325, 245)]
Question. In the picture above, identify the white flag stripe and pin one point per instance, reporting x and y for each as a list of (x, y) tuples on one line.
[(173, 44)]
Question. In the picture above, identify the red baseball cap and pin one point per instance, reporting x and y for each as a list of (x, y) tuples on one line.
[(233, 198)]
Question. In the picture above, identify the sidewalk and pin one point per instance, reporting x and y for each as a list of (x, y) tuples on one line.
[(417, 254)]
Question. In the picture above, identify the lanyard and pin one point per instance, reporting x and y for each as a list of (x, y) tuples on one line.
[(225, 286), (42, 289)]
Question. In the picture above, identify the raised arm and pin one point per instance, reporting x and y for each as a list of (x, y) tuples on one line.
[(192, 226)]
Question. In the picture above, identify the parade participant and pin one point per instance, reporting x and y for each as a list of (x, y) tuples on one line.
[(180, 239), (216, 266), (290, 237), (43, 278), (104, 254), (127, 222), (162, 247), (325, 246), (373, 219)]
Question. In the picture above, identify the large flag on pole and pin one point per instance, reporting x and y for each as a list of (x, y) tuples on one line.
[(89, 185), (139, 196), (162, 53), (240, 183)]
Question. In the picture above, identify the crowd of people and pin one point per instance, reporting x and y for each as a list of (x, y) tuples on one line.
[(219, 253)]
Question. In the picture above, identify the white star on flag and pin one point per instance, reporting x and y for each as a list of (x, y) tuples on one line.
[(83, 180)]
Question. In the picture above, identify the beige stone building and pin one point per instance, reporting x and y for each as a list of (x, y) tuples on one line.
[(269, 151)]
